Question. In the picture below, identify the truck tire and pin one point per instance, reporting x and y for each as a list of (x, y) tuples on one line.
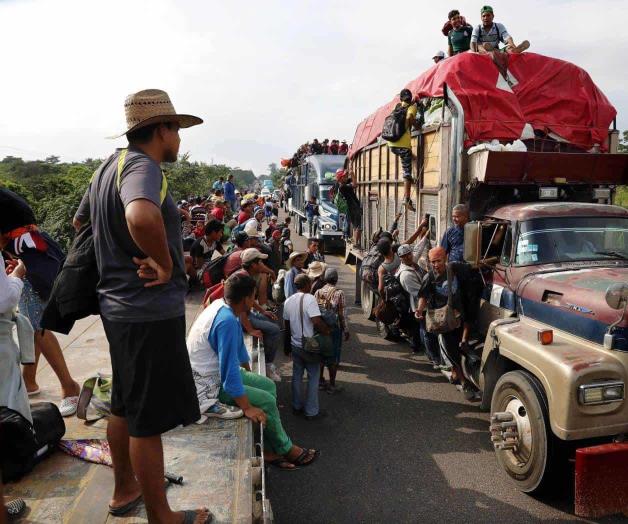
[(529, 464), (368, 300)]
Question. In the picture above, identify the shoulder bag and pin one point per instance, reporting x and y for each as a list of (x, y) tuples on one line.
[(318, 344), (443, 319)]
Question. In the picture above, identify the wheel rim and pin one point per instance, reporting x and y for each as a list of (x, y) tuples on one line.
[(520, 456)]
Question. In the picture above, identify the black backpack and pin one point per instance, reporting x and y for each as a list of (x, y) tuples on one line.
[(395, 123), (395, 294)]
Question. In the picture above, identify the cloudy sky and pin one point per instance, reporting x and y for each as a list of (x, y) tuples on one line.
[(265, 76)]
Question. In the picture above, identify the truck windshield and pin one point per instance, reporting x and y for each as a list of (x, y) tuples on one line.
[(568, 239), (324, 191)]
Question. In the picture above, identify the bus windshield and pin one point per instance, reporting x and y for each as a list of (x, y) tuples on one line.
[(569, 239)]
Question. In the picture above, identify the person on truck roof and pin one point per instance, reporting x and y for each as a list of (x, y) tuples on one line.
[(453, 239), (487, 36), (438, 57), (403, 147), (459, 37), (344, 148)]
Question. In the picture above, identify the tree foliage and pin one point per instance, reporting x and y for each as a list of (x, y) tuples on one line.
[(54, 189)]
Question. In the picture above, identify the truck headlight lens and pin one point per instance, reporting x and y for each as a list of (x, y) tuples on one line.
[(601, 393)]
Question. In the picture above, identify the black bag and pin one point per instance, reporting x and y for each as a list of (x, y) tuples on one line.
[(395, 123), (395, 294), (370, 265), (214, 271), (17, 445)]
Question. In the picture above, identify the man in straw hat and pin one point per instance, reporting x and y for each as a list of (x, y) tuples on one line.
[(315, 272), (142, 287), (295, 263)]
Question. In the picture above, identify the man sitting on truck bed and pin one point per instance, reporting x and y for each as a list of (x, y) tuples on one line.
[(487, 36), (453, 239), (459, 37), (403, 147)]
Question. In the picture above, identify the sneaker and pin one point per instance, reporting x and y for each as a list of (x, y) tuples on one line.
[(272, 373), (409, 205), (68, 406), (220, 410)]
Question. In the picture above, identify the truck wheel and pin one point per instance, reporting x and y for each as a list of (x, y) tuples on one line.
[(520, 430), (368, 301)]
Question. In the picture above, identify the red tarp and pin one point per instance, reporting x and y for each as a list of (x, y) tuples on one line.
[(551, 95)]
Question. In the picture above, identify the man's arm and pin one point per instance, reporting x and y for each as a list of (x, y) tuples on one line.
[(82, 214), (146, 226), (248, 327), (474, 38), (416, 234)]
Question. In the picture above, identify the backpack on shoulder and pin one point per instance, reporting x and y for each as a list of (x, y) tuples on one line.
[(213, 271), (370, 265), (395, 123)]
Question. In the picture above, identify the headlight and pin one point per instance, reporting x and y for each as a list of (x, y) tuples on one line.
[(601, 393), (333, 227)]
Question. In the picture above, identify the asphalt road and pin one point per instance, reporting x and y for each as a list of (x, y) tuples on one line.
[(400, 444)]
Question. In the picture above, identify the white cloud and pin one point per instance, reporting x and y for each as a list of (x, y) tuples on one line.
[(265, 76)]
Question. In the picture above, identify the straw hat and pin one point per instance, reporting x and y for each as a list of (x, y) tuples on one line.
[(316, 269), (152, 106), (293, 256)]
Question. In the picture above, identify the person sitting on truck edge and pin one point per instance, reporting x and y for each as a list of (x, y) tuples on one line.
[(234, 262), (259, 322), (316, 148), (487, 35), (459, 38), (333, 147), (438, 57), (313, 252), (403, 147), (311, 214), (344, 148), (453, 239), (326, 146), (221, 369)]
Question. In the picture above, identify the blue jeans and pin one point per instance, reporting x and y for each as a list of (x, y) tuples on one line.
[(271, 332), (302, 361)]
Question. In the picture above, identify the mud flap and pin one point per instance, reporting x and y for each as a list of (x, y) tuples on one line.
[(602, 480)]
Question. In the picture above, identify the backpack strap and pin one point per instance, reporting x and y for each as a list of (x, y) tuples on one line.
[(301, 316), (163, 192)]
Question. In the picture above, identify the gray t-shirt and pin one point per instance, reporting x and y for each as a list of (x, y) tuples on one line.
[(122, 294), (496, 34)]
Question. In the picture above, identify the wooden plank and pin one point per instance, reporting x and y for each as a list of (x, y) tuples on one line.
[(92, 504)]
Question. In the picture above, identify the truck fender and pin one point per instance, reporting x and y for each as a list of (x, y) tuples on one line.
[(494, 365)]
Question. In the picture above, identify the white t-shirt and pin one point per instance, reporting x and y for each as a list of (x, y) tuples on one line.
[(291, 313)]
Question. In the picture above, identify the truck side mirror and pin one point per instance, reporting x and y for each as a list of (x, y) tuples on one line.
[(617, 296), (472, 243)]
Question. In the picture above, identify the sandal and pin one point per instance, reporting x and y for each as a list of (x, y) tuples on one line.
[(284, 464), (301, 460), (118, 511), (189, 516), (15, 508)]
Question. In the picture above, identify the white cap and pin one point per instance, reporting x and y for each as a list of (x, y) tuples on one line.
[(439, 54), (250, 254)]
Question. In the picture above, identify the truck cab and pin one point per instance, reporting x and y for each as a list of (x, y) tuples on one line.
[(315, 177)]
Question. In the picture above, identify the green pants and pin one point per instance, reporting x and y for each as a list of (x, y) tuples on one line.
[(262, 393)]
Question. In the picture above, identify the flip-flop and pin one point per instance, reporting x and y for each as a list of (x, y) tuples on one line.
[(283, 464), (300, 460), (122, 510), (118, 511), (189, 516)]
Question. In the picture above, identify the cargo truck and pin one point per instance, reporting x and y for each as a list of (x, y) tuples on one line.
[(315, 177), (550, 350)]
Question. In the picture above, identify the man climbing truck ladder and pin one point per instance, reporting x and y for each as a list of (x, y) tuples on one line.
[(548, 353)]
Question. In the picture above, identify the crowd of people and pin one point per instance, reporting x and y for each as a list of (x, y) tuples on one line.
[(482, 38), (147, 252), (316, 147)]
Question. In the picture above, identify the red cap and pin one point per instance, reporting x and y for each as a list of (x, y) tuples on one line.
[(340, 173), (276, 234)]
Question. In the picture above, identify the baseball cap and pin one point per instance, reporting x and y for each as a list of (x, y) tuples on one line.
[(251, 229), (241, 237), (250, 254), (486, 9), (439, 54), (404, 249)]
